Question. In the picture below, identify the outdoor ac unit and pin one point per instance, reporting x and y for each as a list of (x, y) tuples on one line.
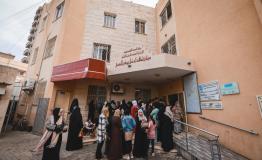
[(117, 88), (2, 91), (29, 84)]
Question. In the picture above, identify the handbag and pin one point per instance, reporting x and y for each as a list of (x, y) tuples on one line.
[(129, 136)]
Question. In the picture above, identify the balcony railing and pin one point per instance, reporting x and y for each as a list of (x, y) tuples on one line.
[(27, 52), (28, 45), (31, 37), (25, 60)]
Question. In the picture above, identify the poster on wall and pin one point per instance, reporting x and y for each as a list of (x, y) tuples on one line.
[(212, 105), (209, 91), (229, 88), (259, 101)]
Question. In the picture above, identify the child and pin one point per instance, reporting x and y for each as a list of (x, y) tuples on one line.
[(50, 126), (58, 130), (151, 134)]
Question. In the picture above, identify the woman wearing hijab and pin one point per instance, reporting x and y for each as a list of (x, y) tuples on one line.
[(91, 111), (115, 148), (140, 145), (53, 153), (167, 130), (74, 142)]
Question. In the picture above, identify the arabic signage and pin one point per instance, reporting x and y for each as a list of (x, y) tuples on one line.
[(259, 101), (133, 55), (229, 88), (209, 91), (212, 105)]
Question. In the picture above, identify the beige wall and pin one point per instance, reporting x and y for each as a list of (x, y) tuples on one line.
[(123, 37), (225, 46)]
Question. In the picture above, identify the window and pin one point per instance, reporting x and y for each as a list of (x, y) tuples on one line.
[(59, 10), (109, 20), (102, 51), (50, 47), (170, 46), (43, 23), (140, 26), (34, 56), (166, 13)]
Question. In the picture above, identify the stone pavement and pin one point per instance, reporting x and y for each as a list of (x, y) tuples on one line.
[(17, 145)]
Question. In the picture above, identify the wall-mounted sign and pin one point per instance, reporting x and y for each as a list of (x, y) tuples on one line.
[(209, 91), (229, 88), (259, 101), (133, 55), (212, 105)]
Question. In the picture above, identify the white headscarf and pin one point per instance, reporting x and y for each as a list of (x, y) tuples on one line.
[(143, 117), (134, 102), (169, 113)]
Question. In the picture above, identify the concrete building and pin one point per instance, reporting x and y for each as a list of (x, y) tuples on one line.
[(204, 54), (12, 73)]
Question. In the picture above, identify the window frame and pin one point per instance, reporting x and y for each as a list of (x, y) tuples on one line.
[(165, 13), (111, 21), (48, 48), (61, 6), (171, 45), (97, 53), (141, 30), (34, 56)]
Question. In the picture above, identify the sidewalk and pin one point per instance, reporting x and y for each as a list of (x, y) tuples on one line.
[(17, 145)]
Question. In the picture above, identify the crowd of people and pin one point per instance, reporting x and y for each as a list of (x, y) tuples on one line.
[(125, 129), (122, 122)]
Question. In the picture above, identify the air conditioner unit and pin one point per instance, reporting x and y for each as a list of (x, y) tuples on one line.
[(29, 84), (117, 88)]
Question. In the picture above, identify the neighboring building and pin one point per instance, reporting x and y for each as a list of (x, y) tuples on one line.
[(11, 77), (113, 49)]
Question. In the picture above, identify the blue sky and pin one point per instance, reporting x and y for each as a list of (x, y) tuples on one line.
[(16, 17)]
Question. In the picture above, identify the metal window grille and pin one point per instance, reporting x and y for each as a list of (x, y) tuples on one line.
[(102, 51)]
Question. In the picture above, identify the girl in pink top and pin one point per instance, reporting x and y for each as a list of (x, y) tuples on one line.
[(151, 134)]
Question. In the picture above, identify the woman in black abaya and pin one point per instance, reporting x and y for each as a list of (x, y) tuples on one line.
[(74, 142), (53, 153)]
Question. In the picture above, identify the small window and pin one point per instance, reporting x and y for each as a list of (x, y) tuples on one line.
[(140, 26), (102, 51), (109, 20), (170, 46), (59, 10), (50, 47), (43, 23), (166, 13), (34, 56)]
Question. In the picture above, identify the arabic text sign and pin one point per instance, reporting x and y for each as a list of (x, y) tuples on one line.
[(259, 101), (212, 105), (229, 88), (209, 91)]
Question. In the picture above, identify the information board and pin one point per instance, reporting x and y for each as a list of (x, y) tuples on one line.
[(212, 105), (209, 91), (259, 101), (229, 88)]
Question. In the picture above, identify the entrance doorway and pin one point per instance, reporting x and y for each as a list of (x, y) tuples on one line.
[(173, 98), (143, 94), (62, 100), (97, 94)]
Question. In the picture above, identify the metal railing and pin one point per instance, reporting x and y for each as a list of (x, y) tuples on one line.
[(196, 142)]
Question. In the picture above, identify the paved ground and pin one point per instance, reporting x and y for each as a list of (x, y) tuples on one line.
[(17, 145)]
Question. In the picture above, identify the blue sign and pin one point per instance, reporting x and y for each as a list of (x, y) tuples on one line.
[(229, 88)]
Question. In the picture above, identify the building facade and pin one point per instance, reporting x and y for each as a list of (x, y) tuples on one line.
[(188, 51), (12, 74)]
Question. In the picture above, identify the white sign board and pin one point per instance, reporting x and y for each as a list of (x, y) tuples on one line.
[(212, 105), (209, 91), (259, 101)]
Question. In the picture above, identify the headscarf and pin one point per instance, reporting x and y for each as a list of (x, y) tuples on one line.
[(134, 102), (117, 113), (141, 117), (169, 113), (105, 111), (74, 105)]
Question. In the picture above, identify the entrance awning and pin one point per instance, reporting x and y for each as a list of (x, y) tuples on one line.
[(87, 68), (155, 69)]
